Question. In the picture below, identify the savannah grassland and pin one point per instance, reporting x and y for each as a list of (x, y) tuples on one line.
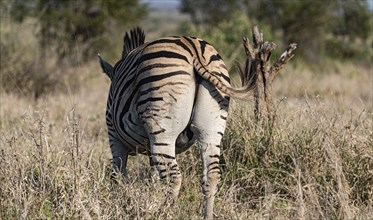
[(55, 158)]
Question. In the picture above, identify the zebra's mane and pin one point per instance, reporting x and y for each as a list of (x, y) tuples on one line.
[(132, 40)]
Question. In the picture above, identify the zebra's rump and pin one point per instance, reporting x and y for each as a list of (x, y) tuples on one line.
[(153, 80)]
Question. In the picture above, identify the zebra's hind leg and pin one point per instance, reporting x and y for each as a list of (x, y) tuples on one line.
[(210, 152), (163, 158), (163, 151), (208, 125), (120, 156)]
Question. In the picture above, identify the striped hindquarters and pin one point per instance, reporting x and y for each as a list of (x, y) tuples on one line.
[(156, 73)]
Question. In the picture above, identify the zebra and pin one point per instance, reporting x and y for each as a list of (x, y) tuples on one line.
[(166, 95)]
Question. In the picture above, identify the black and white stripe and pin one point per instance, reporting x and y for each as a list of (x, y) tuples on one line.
[(165, 96)]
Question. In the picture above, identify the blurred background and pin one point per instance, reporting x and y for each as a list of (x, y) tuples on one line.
[(43, 40)]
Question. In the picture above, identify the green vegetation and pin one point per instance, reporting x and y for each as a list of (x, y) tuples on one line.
[(64, 25), (317, 26), (41, 40)]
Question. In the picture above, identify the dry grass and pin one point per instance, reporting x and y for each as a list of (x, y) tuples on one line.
[(55, 160)]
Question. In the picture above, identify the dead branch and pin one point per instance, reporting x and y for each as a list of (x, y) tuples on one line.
[(259, 68)]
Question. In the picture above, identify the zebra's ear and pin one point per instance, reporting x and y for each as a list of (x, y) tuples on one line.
[(106, 67)]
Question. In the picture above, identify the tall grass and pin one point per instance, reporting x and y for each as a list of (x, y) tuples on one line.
[(318, 164)]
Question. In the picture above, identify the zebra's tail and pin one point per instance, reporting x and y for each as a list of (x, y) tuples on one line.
[(243, 93)]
